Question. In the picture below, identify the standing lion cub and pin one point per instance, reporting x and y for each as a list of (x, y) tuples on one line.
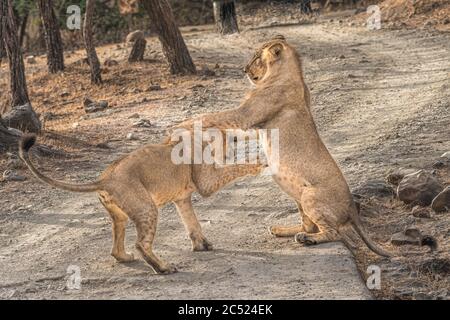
[(136, 185)]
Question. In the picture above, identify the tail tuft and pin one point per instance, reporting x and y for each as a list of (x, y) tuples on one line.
[(27, 141)]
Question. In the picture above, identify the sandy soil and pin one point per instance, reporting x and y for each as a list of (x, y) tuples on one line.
[(380, 99)]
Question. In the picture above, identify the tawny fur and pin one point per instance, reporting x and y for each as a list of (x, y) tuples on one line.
[(135, 186), (307, 172)]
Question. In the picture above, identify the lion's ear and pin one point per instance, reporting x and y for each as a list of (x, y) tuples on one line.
[(276, 50)]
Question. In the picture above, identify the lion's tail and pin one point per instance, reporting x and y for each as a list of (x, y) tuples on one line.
[(356, 225), (25, 144)]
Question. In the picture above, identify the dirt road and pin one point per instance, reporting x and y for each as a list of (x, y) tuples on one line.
[(380, 99)]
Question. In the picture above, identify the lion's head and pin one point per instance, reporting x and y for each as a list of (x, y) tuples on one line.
[(265, 59)]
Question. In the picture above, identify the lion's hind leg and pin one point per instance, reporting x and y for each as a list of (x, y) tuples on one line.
[(119, 221), (145, 217), (289, 231), (326, 234), (136, 203), (317, 210)]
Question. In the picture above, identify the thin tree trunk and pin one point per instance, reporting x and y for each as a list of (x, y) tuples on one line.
[(94, 63), (18, 84), (2, 46), (23, 27), (138, 50), (52, 35), (174, 48), (305, 6), (225, 16)]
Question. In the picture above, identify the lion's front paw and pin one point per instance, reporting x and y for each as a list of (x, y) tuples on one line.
[(202, 245), (166, 269), (305, 239)]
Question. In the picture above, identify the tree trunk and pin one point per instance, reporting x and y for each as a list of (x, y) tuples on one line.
[(18, 85), (305, 6), (174, 48), (94, 63), (138, 50), (52, 36), (225, 16), (23, 27)]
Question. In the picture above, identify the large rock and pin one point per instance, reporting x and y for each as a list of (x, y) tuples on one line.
[(419, 188), (23, 118), (442, 201)]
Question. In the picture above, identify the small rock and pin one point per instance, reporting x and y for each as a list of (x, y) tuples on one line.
[(446, 155), (352, 76), (439, 164), (135, 90), (13, 161), (197, 86), (374, 188), (91, 106), (10, 175), (205, 71), (103, 145), (31, 60), (351, 24), (413, 236), (442, 201), (394, 177), (409, 236), (420, 212), (216, 66), (64, 94), (154, 87), (142, 123), (75, 125), (419, 188), (134, 116), (342, 57), (422, 296), (110, 62), (135, 35), (132, 136)]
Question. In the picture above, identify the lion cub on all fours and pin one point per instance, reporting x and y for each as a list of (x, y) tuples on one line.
[(306, 172), (136, 185)]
